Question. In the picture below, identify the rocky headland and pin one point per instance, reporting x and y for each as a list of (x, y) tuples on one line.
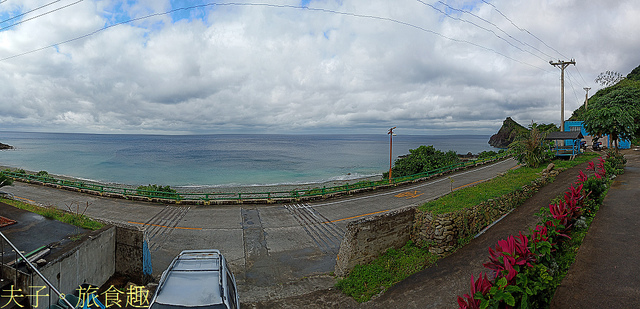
[(5, 146), (507, 133)]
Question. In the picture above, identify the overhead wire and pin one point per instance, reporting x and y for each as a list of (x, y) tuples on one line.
[(30, 11), (496, 26), (476, 25), (43, 14), (273, 6), (522, 29)]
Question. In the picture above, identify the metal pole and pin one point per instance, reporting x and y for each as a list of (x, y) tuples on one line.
[(390, 152), (36, 271)]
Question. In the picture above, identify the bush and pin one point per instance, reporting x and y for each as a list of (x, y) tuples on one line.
[(157, 191), (422, 159)]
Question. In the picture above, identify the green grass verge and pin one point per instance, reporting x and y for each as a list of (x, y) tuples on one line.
[(496, 187), (390, 268), (368, 280), (57, 214)]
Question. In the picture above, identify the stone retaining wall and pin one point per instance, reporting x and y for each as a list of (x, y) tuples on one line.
[(367, 238), (444, 232)]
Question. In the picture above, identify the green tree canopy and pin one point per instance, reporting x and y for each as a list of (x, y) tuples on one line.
[(423, 159), (618, 123)]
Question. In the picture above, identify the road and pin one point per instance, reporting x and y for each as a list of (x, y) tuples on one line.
[(276, 250)]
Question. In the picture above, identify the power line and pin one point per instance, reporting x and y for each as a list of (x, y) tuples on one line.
[(476, 25), (43, 14), (522, 29), (273, 6), (497, 27), (25, 13)]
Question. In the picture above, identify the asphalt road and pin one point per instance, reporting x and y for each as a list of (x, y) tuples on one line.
[(276, 250)]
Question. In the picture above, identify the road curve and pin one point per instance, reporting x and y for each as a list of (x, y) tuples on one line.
[(276, 250)]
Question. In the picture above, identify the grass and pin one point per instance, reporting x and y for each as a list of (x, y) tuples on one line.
[(368, 280), (393, 266), (78, 220), (513, 180)]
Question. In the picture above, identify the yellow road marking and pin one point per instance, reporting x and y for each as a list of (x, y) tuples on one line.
[(409, 194), (373, 213), (26, 199), (169, 227), (469, 184)]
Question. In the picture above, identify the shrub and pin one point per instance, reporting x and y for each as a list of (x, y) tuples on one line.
[(157, 191)]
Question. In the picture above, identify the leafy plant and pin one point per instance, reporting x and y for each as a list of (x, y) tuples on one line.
[(5, 180), (529, 147), (156, 191)]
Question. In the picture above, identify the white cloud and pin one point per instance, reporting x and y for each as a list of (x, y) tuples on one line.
[(281, 69)]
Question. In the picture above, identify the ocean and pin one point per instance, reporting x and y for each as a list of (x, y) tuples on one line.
[(218, 160)]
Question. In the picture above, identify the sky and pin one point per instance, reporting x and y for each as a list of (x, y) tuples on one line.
[(325, 66)]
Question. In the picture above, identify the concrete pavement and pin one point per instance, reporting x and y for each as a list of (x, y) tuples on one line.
[(275, 251), (605, 273)]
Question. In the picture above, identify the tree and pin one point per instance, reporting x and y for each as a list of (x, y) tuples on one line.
[(528, 146), (609, 78), (611, 120), (616, 113), (423, 159)]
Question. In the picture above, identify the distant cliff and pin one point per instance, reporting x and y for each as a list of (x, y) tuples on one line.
[(507, 133), (5, 146)]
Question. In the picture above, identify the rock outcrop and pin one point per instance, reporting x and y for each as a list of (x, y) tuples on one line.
[(507, 133), (5, 146)]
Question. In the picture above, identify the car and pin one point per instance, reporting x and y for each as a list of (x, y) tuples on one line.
[(197, 278)]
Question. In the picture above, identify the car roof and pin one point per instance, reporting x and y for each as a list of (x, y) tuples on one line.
[(193, 280)]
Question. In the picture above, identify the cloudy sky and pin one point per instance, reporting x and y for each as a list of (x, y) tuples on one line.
[(273, 66)]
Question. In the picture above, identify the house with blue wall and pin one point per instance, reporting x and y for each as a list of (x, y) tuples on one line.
[(579, 126)]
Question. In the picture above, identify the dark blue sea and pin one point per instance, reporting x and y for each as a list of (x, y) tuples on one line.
[(218, 160)]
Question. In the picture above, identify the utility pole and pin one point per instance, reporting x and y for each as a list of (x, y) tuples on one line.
[(586, 97), (391, 134), (562, 65)]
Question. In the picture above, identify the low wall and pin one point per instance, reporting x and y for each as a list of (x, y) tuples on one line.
[(114, 248), (92, 261), (367, 238)]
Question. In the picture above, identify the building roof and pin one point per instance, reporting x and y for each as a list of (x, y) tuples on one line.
[(564, 135)]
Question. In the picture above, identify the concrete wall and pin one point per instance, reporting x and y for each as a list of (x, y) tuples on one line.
[(129, 253), (367, 238), (92, 261)]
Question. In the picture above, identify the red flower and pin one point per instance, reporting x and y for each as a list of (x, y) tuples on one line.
[(482, 285), (582, 177)]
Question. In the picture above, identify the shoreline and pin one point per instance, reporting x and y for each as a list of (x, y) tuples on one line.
[(231, 188)]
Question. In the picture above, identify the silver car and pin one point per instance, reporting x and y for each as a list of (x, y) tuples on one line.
[(197, 278)]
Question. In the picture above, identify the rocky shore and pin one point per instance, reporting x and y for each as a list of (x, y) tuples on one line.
[(5, 146)]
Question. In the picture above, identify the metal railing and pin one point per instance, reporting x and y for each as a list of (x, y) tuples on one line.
[(31, 267), (239, 196)]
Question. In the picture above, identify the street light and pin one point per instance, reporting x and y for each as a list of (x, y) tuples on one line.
[(391, 134)]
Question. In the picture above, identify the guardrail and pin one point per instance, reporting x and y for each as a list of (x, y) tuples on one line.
[(239, 197)]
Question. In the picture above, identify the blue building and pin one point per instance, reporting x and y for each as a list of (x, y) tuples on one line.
[(579, 126)]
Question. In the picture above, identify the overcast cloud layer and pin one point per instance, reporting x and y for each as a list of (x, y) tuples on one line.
[(356, 66)]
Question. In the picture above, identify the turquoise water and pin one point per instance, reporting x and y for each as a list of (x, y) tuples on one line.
[(218, 160)]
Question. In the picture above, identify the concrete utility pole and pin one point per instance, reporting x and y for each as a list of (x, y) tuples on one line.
[(391, 134), (562, 65), (586, 97)]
